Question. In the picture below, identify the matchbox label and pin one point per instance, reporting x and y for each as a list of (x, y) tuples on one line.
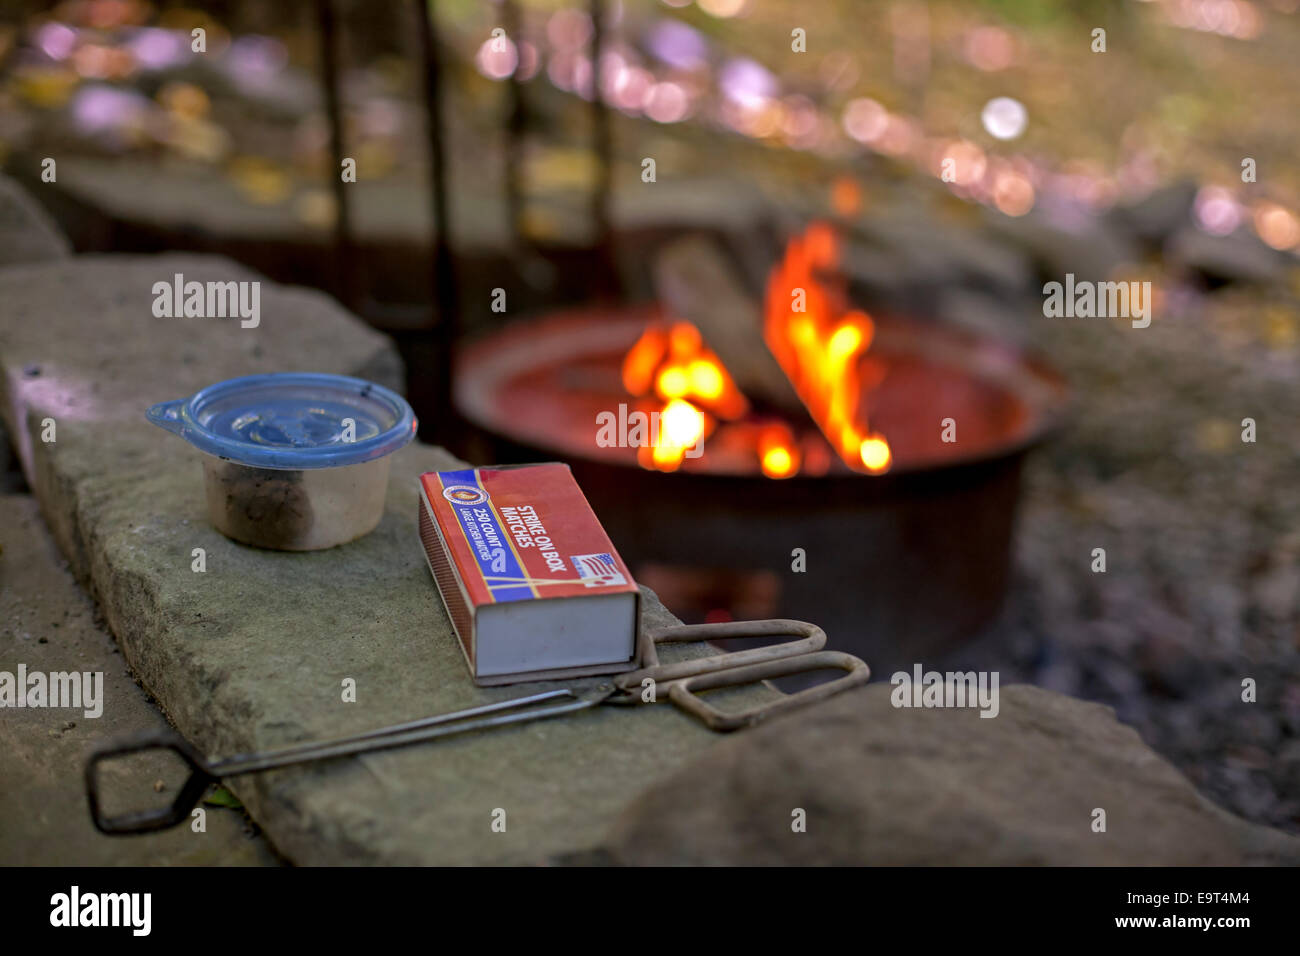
[(597, 570), (498, 564), (464, 494), (521, 533)]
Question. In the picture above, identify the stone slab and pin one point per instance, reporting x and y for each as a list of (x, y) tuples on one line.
[(188, 198), (48, 623), (27, 232), (252, 653), (882, 785)]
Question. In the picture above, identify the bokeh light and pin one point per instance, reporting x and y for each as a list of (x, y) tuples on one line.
[(1004, 117), (1216, 212)]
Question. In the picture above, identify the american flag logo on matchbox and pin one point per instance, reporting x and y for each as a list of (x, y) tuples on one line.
[(597, 570)]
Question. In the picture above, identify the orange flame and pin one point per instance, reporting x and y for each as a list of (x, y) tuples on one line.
[(819, 343), (674, 364), (777, 452)]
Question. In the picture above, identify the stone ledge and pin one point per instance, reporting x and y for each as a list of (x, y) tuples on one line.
[(27, 232), (48, 623), (934, 787), (251, 653)]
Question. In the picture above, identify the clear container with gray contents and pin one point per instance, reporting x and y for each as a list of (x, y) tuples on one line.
[(293, 461)]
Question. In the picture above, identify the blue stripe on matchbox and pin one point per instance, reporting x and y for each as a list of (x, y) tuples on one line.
[(487, 539)]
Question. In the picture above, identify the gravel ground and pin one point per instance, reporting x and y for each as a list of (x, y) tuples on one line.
[(1201, 532)]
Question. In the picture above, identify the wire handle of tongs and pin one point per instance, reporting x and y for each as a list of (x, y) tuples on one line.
[(204, 772), (810, 638), (736, 668), (681, 679)]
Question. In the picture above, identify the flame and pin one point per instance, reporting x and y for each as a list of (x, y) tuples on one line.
[(846, 196), (875, 454), (673, 363), (777, 453), (819, 343), (681, 427)]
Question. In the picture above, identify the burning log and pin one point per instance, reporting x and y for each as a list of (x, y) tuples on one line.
[(819, 342), (695, 282)]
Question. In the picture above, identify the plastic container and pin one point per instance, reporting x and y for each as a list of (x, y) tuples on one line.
[(293, 461)]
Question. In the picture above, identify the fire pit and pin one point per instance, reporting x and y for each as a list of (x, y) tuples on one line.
[(896, 535)]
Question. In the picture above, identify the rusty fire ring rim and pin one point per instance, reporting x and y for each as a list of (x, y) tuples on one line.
[(472, 398)]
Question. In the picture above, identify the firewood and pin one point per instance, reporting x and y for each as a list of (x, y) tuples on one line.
[(694, 281)]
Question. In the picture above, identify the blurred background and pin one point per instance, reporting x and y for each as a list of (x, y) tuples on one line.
[(919, 170)]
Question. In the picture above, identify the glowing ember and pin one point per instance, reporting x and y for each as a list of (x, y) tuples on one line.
[(681, 427), (777, 453), (875, 453), (673, 364), (846, 197)]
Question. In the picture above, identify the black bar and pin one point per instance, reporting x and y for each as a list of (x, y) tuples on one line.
[(902, 906), (516, 123), (602, 142), (446, 296), (344, 260)]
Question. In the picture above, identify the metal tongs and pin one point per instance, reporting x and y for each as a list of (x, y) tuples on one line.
[(681, 680)]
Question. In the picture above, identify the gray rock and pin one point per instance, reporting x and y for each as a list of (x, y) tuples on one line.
[(1091, 248), (48, 623), (935, 250), (27, 232), (11, 475), (731, 205), (1003, 318), (889, 786), (1239, 257), (1159, 214)]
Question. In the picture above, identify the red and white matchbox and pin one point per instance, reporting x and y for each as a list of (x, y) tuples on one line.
[(529, 578)]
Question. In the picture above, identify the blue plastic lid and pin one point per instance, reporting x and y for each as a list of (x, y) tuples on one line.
[(291, 420)]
